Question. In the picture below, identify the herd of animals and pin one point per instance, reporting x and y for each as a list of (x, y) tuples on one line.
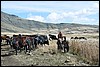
[(29, 42)]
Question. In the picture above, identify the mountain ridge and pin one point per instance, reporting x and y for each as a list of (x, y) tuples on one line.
[(9, 20)]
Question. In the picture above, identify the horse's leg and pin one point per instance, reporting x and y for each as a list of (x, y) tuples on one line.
[(41, 44), (29, 48), (57, 47), (64, 49), (16, 49), (33, 46), (7, 42), (44, 44), (10, 44), (50, 39), (67, 49), (20, 48), (48, 42), (25, 49)]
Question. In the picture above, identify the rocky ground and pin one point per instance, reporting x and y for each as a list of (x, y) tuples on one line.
[(42, 56)]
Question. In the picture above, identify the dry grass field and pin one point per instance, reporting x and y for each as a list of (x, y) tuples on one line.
[(87, 50)]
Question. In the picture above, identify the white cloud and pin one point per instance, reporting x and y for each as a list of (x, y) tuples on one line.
[(36, 18), (53, 16)]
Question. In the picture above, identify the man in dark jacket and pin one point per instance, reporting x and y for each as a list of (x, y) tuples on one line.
[(60, 35)]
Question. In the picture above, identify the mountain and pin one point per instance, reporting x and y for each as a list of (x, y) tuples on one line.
[(13, 23)]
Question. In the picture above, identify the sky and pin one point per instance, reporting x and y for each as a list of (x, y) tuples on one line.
[(82, 12)]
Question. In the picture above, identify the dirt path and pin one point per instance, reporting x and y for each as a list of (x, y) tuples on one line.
[(7, 58), (10, 61)]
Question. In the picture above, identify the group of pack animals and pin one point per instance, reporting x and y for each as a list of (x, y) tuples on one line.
[(26, 42), (29, 42), (78, 38)]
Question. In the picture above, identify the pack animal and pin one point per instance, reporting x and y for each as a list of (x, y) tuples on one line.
[(63, 44), (53, 37)]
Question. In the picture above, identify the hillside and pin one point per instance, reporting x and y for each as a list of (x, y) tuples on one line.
[(13, 23)]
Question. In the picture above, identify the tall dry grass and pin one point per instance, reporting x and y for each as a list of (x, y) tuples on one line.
[(88, 50)]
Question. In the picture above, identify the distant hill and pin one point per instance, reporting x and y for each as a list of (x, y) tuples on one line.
[(13, 23)]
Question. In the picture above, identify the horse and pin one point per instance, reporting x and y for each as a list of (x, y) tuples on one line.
[(63, 44), (53, 37), (78, 38), (43, 39), (27, 44), (66, 44), (82, 38), (39, 40), (15, 44), (4, 37), (9, 40), (18, 44), (59, 44)]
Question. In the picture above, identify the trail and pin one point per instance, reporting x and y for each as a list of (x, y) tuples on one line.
[(7, 58)]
